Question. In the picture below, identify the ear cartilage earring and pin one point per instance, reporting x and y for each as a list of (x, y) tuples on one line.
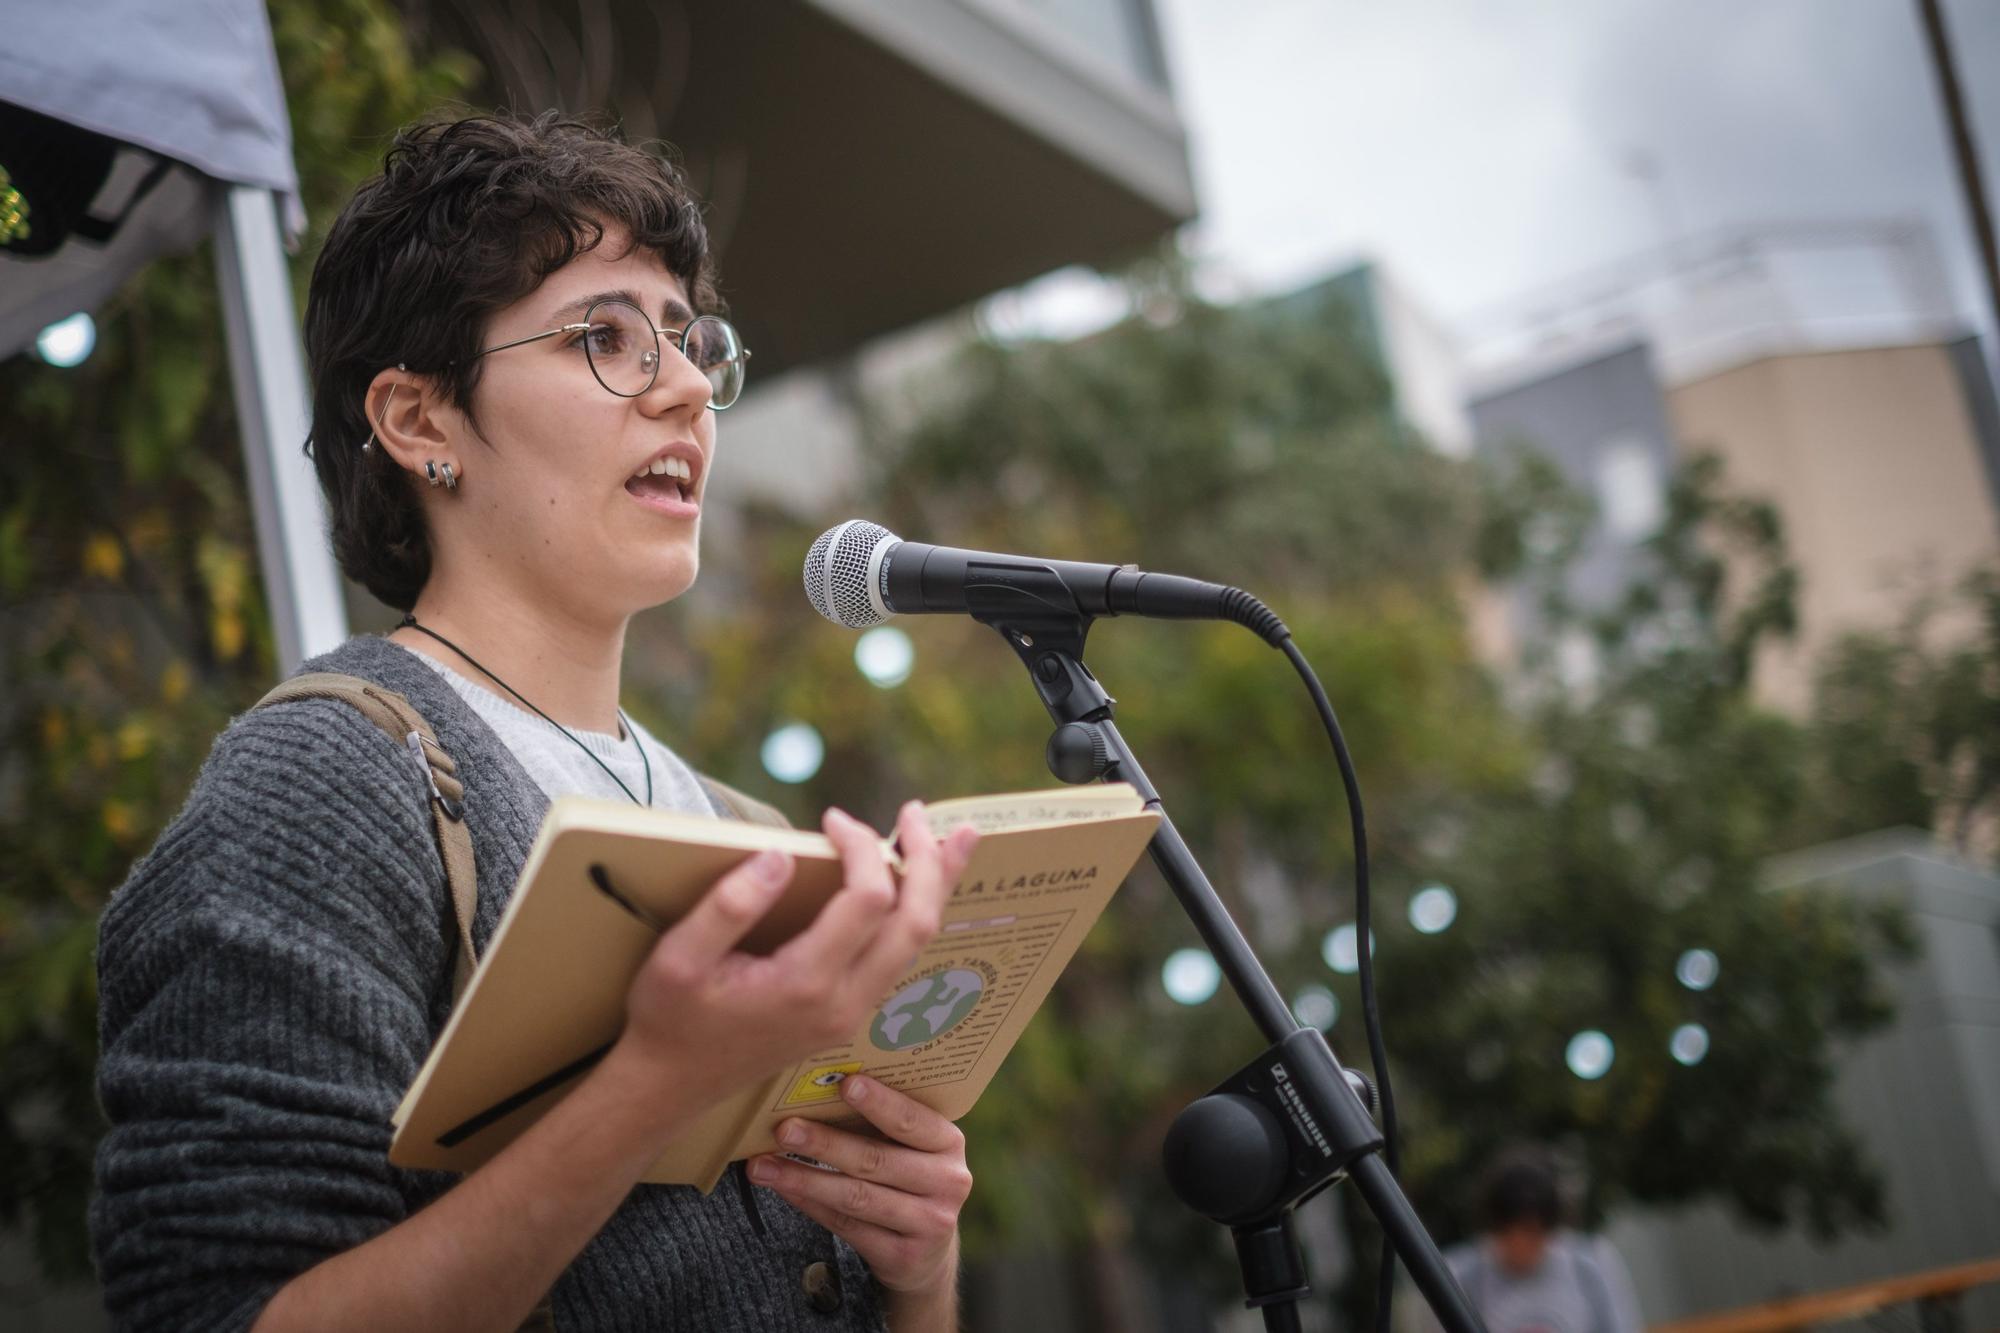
[(368, 445), (450, 481), (431, 470)]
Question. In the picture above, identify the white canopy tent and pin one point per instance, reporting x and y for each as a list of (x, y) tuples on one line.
[(133, 129)]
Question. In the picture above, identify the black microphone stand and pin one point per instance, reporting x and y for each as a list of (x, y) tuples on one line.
[(1290, 1122)]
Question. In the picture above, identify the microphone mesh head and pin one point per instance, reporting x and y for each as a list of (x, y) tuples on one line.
[(837, 570), (816, 571)]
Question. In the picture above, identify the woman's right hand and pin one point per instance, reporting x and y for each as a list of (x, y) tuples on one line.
[(702, 1009)]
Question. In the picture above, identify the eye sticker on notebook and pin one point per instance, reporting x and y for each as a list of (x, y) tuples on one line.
[(820, 1084)]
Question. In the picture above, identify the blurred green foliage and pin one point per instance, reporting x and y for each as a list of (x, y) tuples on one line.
[(1657, 791), (1906, 721), (1591, 833), (131, 620)]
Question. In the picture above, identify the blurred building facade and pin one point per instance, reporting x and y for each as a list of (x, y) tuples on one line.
[(1884, 465), (1824, 366), (1416, 354), (1604, 422)]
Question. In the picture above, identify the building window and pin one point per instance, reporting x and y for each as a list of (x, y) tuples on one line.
[(1629, 495)]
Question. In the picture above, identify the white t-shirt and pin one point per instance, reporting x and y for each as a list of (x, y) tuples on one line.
[(560, 766), (1581, 1286)]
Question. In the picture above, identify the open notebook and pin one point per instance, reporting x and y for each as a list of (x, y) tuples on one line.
[(602, 879)]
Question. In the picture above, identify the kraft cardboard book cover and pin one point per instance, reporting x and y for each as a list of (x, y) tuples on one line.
[(602, 879)]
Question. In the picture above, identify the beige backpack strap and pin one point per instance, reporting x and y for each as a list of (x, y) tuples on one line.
[(404, 725), (745, 807)]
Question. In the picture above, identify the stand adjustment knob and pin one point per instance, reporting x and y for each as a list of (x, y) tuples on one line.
[(1364, 1088), (1077, 753)]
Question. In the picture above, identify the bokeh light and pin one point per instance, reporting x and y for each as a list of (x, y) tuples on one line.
[(1433, 909), (1590, 1054), (1340, 951), (1190, 975), (1689, 1043), (1697, 969), (885, 655), (794, 752), (1316, 1007), (67, 342)]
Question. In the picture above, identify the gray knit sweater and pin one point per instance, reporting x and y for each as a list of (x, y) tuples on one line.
[(272, 974)]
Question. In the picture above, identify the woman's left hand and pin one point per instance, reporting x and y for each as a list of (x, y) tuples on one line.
[(895, 1203)]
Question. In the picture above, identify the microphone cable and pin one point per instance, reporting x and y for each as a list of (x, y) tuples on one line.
[(1371, 1014), (1246, 610)]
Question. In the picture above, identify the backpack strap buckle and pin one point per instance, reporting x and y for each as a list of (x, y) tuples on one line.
[(452, 803)]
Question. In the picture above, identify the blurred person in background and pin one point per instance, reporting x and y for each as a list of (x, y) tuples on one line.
[(516, 366), (1526, 1273)]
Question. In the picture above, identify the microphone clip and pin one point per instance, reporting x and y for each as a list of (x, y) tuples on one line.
[(1049, 641), (1050, 645)]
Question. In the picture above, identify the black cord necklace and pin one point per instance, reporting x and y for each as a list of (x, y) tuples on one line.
[(409, 621)]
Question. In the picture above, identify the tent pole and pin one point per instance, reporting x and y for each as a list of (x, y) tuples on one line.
[(268, 373)]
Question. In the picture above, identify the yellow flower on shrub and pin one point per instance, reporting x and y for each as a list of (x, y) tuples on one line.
[(120, 821), (135, 737), (175, 682), (103, 558)]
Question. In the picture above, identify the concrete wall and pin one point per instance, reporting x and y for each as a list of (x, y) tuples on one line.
[(1923, 1095)]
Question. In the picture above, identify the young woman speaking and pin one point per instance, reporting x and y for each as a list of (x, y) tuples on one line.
[(516, 369)]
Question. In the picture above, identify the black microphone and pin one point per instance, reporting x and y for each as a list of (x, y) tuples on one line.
[(859, 574)]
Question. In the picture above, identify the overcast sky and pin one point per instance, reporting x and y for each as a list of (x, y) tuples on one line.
[(1480, 148)]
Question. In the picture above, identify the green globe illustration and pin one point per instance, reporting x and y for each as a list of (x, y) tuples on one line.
[(926, 1009)]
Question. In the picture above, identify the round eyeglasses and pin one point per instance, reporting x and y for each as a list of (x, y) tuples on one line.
[(623, 348)]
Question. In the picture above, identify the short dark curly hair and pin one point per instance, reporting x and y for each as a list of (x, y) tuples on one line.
[(467, 217), (1520, 1185)]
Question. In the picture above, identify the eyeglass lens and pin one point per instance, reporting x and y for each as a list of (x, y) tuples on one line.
[(625, 352)]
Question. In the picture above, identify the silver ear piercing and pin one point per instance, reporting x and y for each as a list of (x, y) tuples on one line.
[(368, 445), (431, 470), (450, 481)]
